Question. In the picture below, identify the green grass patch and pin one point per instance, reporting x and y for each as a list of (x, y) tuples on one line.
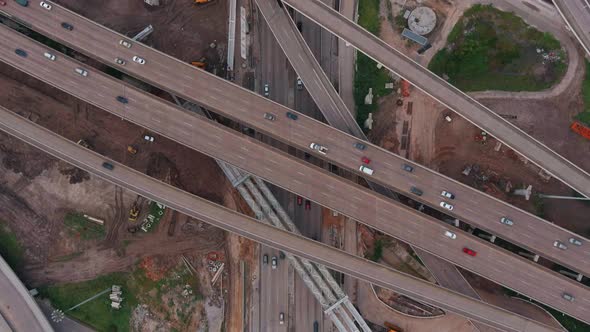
[(10, 248), (489, 49), (97, 313), (80, 226), (571, 324), (367, 75), (584, 116), (377, 251)]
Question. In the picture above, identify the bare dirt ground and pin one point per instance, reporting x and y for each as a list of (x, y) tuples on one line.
[(181, 28)]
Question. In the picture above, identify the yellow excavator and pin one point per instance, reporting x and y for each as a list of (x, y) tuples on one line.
[(133, 212)]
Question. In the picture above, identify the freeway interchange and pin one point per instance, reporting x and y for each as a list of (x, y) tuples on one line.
[(322, 187)]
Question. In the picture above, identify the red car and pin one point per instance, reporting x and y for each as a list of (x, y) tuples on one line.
[(299, 200), (469, 251), (2, 3), (307, 204), (365, 160)]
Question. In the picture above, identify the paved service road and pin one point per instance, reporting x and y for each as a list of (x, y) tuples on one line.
[(17, 307), (218, 95), (445, 93), (324, 188), (232, 221), (576, 13)]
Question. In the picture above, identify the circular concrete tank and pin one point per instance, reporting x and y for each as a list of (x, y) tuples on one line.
[(422, 20)]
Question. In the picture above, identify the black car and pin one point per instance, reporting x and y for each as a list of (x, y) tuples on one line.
[(359, 146), (67, 26), (122, 100), (108, 166), (407, 168), (292, 116), (20, 52)]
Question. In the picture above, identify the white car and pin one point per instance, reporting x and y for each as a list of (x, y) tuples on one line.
[(82, 72), (45, 5), (506, 221), (450, 235), (319, 148), (139, 60), (274, 262), (366, 170), (558, 244), (446, 206), (447, 194), (575, 241), (120, 61), (49, 56), (148, 138), (125, 43), (281, 318)]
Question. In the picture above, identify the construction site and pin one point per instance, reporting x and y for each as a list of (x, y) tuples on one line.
[(113, 260)]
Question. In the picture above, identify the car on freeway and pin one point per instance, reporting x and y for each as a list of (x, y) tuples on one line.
[(506, 221), (269, 116), (2, 3), (359, 145), (108, 166), (274, 262), (366, 160), (319, 148), (265, 259), (568, 297), (266, 90), (125, 43), (281, 318), (67, 26), (416, 191), (447, 194), (299, 26), (299, 200), (366, 170), (49, 56), (139, 60), (82, 72), (307, 204), (560, 245), (120, 61), (446, 206), (450, 235), (148, 138), (299, 83), (122, 100), (45, 5), (292, 116), (469, 252), (23, 3), (575, 241), (407, 168), (21, 53)]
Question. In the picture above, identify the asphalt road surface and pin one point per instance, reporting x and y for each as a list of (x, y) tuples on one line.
[(232, 221), (577, 15), (218, 95), (446, 94), (359, 203)]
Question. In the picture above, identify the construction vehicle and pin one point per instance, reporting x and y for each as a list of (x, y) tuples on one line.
[(392, 327), (131, 149), (581, 129), (134, 212), (202, 2)]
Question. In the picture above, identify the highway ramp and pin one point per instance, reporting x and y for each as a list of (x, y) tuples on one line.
[(221, 143), (472, 206), (232, 221)]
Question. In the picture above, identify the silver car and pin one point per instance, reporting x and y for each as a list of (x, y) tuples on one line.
[(560, 245), (575, 241), (450, 235), (139, 60), (568, 297), (125, 43)]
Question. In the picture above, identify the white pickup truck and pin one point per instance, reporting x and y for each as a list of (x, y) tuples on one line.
[(319, 148)]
